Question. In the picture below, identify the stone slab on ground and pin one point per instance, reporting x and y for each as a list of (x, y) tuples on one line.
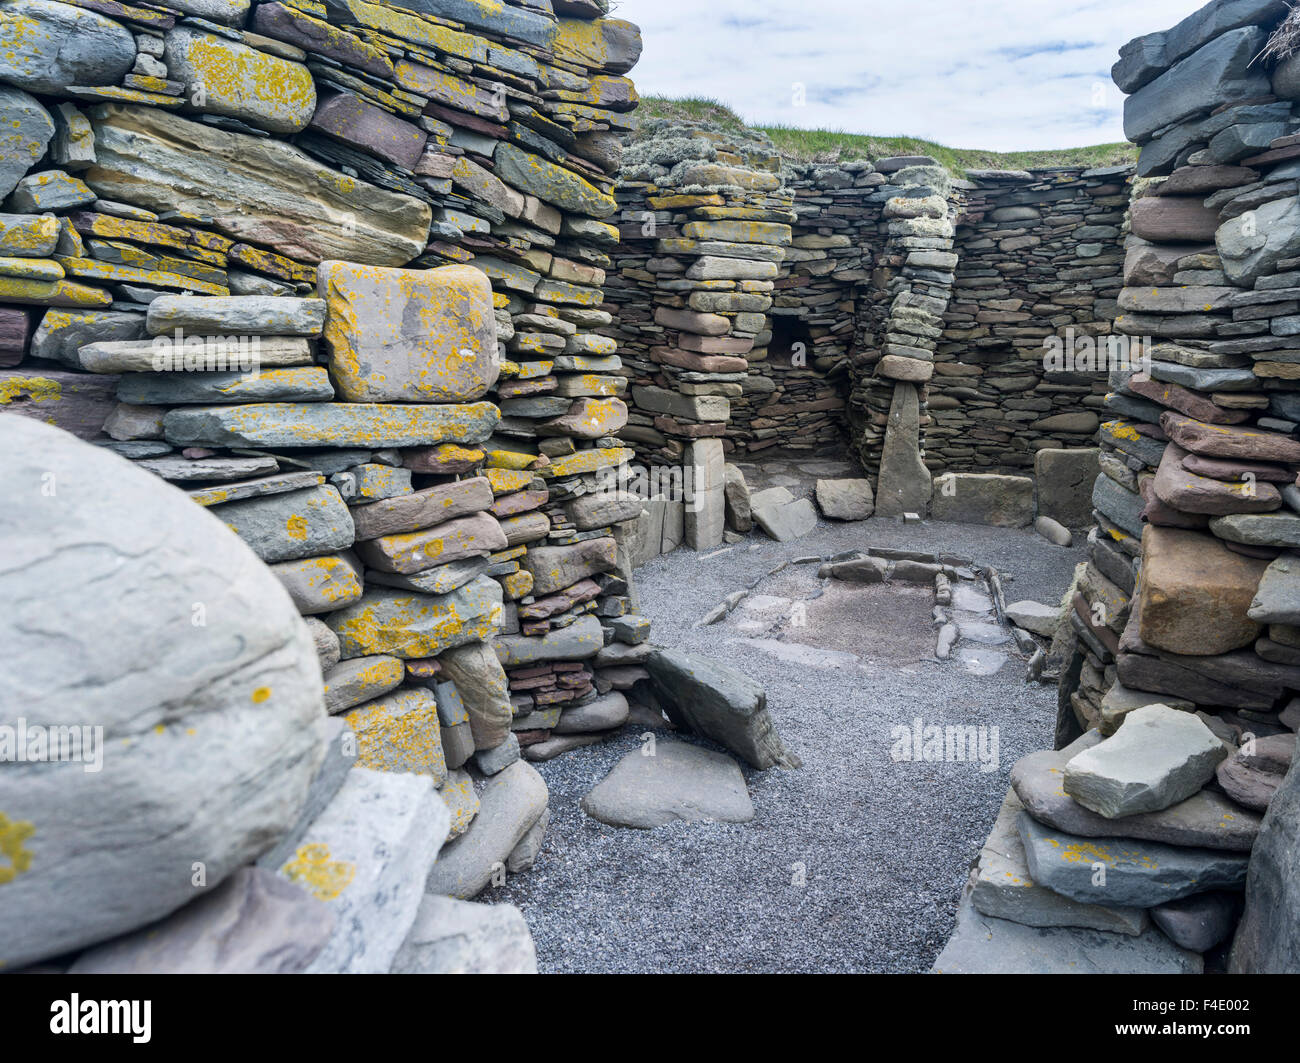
[(721, 704), (509, 804), (679, 782), (983, 498), (845, 499), (461, 937), (984, 945), (783, 517)]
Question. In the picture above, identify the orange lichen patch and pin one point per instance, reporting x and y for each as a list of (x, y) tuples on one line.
[(29, 389), (381, 674), (588, 461), (399, 732), (416, 625), (512, 459), (506, 481), (52, 293), (517, 584), (260, 695), (18, 858), (312, 868), (1087, 852), (244, 82), (400, 335)]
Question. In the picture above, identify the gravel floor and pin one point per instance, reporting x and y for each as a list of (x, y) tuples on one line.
[(853, 863)]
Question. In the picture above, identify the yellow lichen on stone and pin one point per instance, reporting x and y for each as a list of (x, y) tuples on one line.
[(30, 389), (312, 868), (13, 833)]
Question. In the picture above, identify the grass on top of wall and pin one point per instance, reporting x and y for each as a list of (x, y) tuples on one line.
[(826, 145)]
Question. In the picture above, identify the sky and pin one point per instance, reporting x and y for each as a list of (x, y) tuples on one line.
[(1001, 75)]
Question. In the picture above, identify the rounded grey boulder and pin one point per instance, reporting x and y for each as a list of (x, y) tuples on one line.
[(172, 673), (50, 46)]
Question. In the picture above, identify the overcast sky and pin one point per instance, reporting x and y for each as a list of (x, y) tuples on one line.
[(1003, 75)]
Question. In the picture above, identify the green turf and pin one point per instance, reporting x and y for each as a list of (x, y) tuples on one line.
[(826, 145)]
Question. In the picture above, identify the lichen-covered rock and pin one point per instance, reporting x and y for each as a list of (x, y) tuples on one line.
[(400, 335), (261, 190), (208, 695), (296, 524), (411, 626), (49, 46), (25, 131), (229, 78)]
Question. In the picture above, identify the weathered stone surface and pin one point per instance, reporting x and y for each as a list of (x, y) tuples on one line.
[(1206, 819), (207, 749), (1036, 617), (242, 82), (308, 383), (1253, 774), (253, 923), (483, 689), (25, 131), (1158, 758), (603, 714), (376, 131), (845, 499), (984, 945), (588, 418), (738, 511), (576, 642), (557, 567), (1277, 599), (62, 332), (905, 483), (1268, 937), (679, 782), (329, 424), (1259, 529), (287, 526), (361, 679), (1196, 593), (720, 704), (1064, 479), (22, 235), (49, 46), (422, 509), (412, 626), (705, 516), (981, 498), (510, 803), (1173, 219), (50, 190), (1252, 244), (320, 584), (1137, 873), (1179, 486), (366, 857), (1003, 889), (461, 937), (409, 335), (550, 183), (1217, 73), (1198, 922), (1229, 441), (261, 190), (783, 517), (245, 315), (602, 510), (473, 536), (399, 733)]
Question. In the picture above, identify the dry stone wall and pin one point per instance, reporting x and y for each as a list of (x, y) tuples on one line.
[(335, 270), (1179, 637)]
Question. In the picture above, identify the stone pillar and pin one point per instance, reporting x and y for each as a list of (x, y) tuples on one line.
[(705, 512), (905, 482)]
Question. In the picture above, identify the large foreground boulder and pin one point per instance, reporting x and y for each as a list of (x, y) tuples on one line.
[(184, 686), (721, 704)]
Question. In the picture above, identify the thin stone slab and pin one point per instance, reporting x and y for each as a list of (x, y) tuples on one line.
[(1206, 820), (330, 424), (462, 937), (1003, 888), (412, 626), (1259, 529), (284, 527), (1158, 758), (678, 783), (982, 944), (280, 483), (366, 857), (1124, 871)]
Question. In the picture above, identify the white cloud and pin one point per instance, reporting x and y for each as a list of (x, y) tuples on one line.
[(1002, 75)]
